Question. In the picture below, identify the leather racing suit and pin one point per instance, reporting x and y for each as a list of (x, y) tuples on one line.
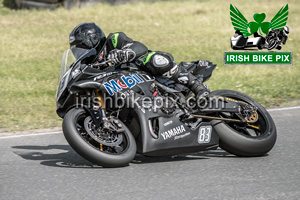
[(122, 49)]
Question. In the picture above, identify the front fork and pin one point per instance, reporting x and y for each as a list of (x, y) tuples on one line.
[(101, 103), (97, 110)]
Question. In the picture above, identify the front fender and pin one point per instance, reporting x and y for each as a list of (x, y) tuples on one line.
[(84, 85)]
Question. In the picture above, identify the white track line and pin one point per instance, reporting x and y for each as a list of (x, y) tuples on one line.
[(59, 132), (284, 108), (29, 134)]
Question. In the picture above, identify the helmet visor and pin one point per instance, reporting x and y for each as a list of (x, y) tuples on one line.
[(78, 52)]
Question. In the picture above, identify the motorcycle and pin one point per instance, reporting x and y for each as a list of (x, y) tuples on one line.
[(239, 42), (166, 124)]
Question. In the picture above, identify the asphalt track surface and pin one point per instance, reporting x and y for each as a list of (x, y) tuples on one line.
[(43, 166)]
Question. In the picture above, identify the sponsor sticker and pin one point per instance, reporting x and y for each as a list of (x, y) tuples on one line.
[(168, 123), (204, 135), (173, 132), (182, 136), (125, 82)]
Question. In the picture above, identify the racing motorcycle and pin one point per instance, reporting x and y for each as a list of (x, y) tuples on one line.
[(166, 124), (238, 41)]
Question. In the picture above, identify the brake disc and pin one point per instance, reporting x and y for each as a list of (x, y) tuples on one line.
[(250, 113), (104, 137)]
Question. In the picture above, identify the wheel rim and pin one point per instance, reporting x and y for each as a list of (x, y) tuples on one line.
[(253, 130), (109, 143)]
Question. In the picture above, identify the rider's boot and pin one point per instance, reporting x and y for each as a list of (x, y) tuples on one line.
[(200, 90)]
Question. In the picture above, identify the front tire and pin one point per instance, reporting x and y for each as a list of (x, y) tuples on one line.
[(89, 149), (239, 143)]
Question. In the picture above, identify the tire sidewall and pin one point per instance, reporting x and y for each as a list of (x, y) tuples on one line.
[(88, 151), (240, 144)]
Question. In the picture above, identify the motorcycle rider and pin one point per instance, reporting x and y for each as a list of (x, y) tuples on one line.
[(120, 49), (276, 37)]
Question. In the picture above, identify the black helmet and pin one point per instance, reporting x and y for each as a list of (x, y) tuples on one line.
[(86, 36), (286, 30)]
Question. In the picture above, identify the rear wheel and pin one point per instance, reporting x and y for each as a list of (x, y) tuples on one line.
[(111, 145), (245, 139)]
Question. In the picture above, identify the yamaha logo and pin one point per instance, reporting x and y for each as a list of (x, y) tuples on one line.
[(173, 132)]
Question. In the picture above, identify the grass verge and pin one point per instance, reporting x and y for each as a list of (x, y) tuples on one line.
[(32, 43)]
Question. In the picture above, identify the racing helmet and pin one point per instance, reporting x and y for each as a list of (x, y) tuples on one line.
[(86, 36), (286, 30)]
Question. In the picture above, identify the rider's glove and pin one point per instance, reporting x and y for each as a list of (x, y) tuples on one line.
[(118, 56)]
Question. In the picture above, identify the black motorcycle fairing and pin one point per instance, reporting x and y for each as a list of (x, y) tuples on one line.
[(90, 79), (173, 136), (83, 85), (186, 139), (68, 94), (72, 72), (120, 81), (170, 137)]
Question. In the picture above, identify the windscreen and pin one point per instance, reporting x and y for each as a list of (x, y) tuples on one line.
[(67, 59)]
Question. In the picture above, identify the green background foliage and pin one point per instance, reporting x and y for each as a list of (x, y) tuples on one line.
[(32, 43), (9, 4)]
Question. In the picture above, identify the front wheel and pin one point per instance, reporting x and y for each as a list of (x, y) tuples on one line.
[(245, 139), (111, 145)]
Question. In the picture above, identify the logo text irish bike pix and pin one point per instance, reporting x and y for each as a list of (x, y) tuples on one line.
[(258, 35)]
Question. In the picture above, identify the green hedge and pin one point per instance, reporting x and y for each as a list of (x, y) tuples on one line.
[(10, 4)]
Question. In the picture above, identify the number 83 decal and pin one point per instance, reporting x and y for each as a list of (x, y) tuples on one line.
[(204, 134)]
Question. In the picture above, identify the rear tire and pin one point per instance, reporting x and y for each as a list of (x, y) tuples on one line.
[(241, 144), (90, 152)]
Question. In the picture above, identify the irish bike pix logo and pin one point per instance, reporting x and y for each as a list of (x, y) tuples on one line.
[(257, 35)]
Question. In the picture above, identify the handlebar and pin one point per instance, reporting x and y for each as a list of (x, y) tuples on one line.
[(102, 63)]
